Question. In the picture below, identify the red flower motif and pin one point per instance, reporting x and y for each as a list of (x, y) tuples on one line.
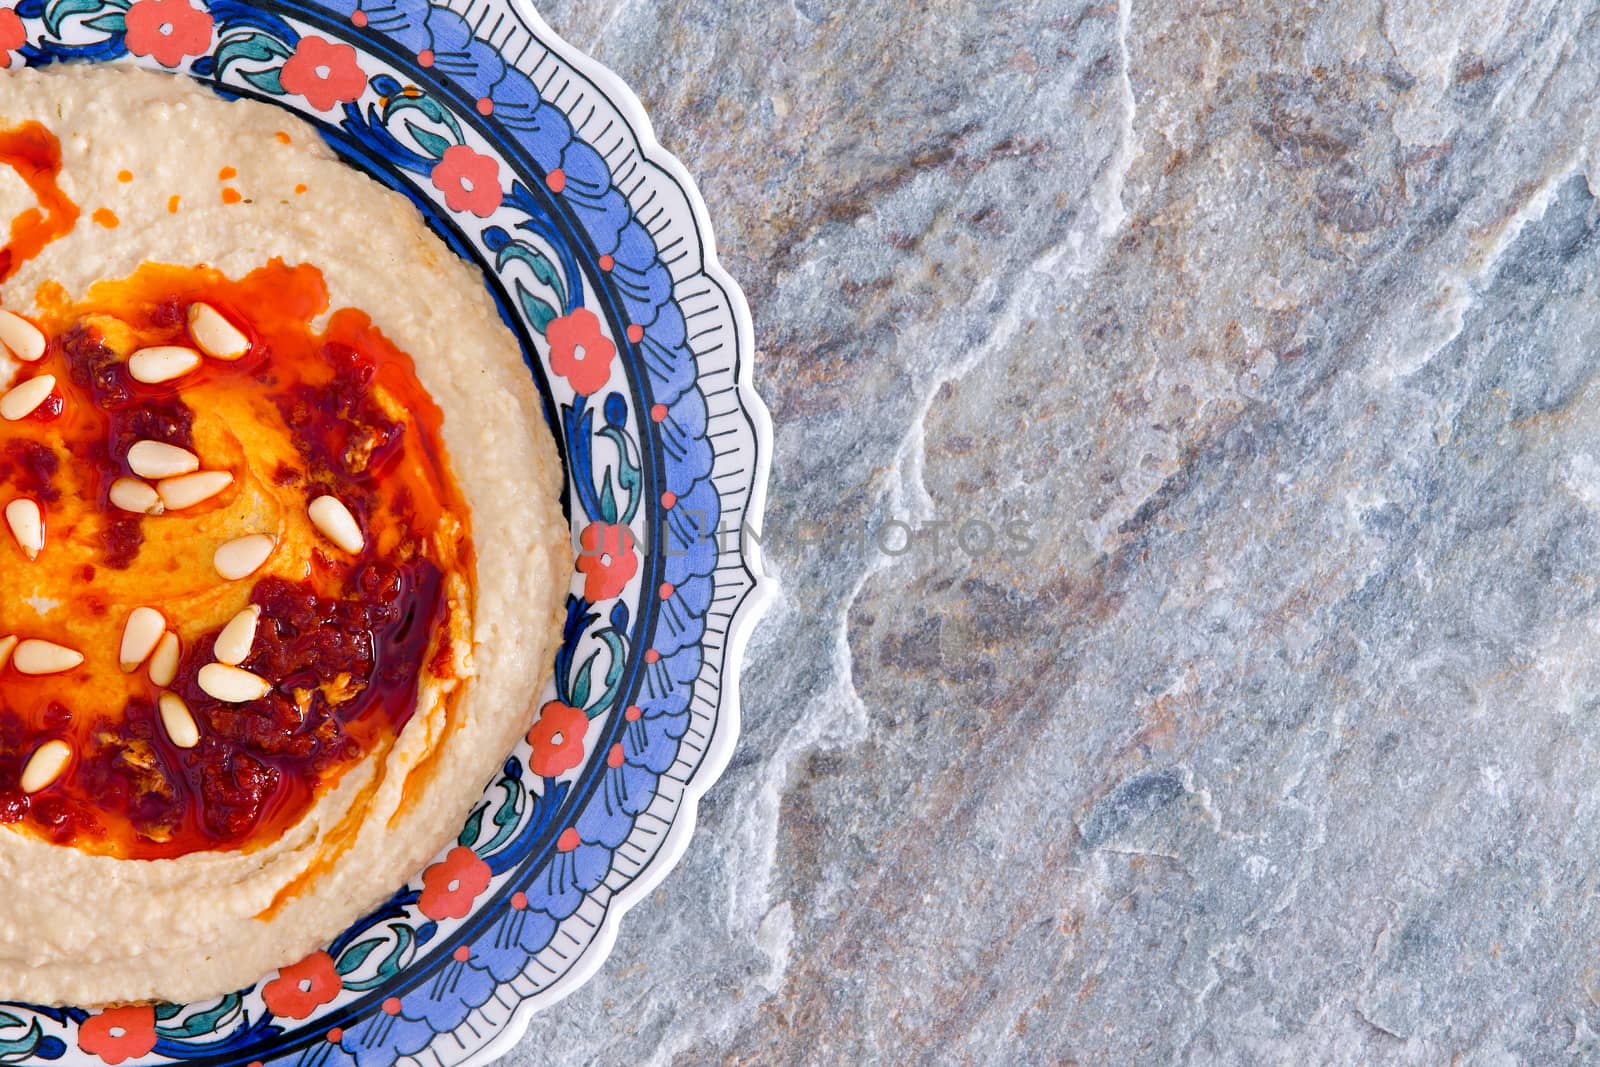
[(450, 886), (557, 739), (470, 181), (323, 72), (169, 31), (607, 560), (118, 1034), (580, 352), (303, 988), (12, 35)]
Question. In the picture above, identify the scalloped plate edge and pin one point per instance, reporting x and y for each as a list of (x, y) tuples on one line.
[(749, 611)]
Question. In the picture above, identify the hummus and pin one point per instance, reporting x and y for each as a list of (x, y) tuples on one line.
[(283, 557)]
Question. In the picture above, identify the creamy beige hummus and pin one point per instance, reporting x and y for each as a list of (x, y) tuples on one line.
[(147, 150)]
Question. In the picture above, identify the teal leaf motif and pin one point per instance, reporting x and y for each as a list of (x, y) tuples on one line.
[(506, 816), (580, 685), (540, 314), (469, 833), (356, 955), (619, 655), (544, 272), (254, 48), (12, 1049), (430, 109), (265, 80), (60, 11), (608, 500), (112, 22), (431, 143), (206, 1023), (629, 478), (392, 963)]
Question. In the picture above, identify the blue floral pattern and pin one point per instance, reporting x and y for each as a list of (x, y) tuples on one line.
[(557, 239)]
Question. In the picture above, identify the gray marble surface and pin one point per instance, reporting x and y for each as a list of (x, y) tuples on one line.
[(1268, 732)]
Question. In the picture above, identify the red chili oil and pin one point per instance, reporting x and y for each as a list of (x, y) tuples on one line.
[(343, 639), (34, 153)]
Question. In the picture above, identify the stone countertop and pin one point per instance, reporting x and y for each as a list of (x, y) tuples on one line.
[(1245, 709)]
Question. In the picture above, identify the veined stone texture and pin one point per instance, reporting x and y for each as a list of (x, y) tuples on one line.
[(1269, 731)]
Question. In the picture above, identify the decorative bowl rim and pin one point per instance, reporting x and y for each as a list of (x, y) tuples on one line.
[(750, 610), (755, 588)]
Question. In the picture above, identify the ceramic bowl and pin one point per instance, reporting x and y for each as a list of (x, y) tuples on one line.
[(539, 166)]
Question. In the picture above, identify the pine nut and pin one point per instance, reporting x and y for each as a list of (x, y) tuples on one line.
[(6, 645), (177, 721), (232, 685), (21, 338), (154, 460), (215, 335), (44, 657), (336, 523), (153, 366), (164, 660), (130, 494), (140, 636), (236, 639), (187, 490), (46, 764), (25, 399), (243, 556), (26, 520)]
